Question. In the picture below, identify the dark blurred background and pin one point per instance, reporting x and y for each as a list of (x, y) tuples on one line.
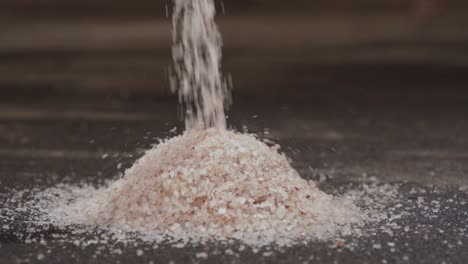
[(366, 52)]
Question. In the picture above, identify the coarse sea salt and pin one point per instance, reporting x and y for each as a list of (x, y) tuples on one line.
[(199, 186)]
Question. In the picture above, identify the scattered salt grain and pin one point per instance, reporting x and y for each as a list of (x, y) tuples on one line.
[(178, 245), (202, 255)]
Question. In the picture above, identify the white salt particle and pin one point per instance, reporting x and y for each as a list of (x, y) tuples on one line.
[(178, 245), (377, 246), (202, 255), (139, 252)]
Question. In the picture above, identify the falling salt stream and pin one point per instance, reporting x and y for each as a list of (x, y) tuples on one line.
[(210, 183), (197, 62)]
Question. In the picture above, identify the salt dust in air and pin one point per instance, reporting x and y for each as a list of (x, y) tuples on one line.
[(209, 182)]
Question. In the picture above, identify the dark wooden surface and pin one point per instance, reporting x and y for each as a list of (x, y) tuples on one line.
[(423, 144), (45, 142)]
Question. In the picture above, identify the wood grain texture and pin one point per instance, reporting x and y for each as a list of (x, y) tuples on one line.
[(310, 50)]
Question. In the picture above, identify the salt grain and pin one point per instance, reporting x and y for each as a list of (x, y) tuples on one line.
[(178, 245)]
